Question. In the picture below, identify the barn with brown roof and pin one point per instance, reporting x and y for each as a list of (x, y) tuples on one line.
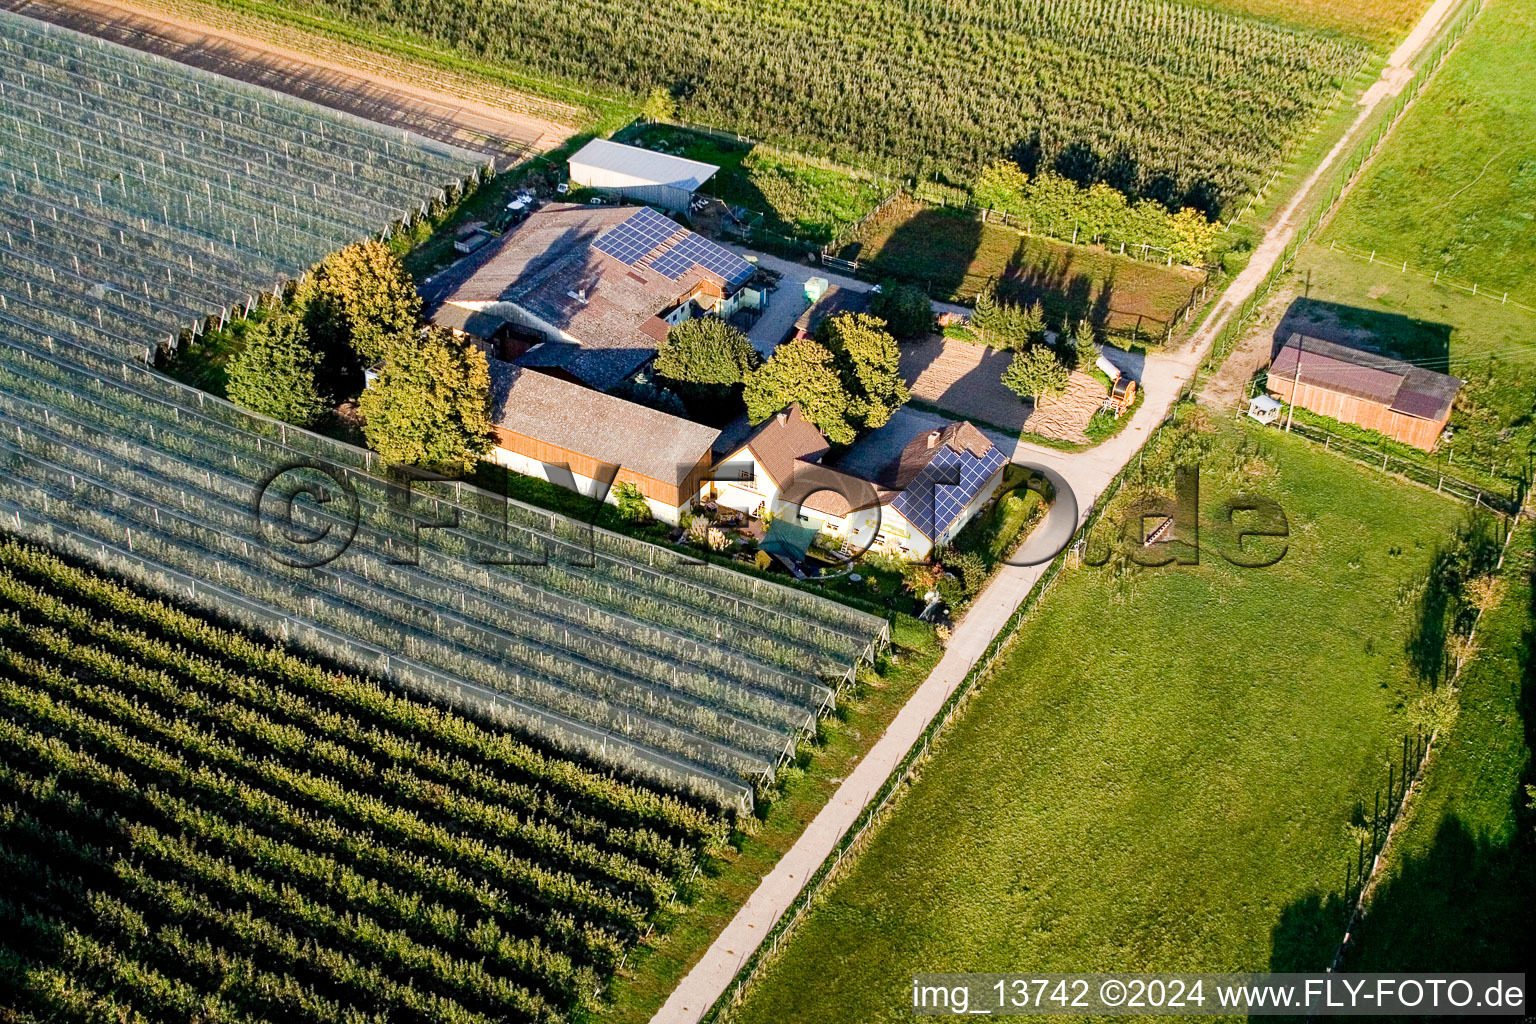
[(1405, 402), (590, 442)]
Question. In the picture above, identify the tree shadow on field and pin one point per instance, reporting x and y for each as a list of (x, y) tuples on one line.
[(1443, 610), (933, 249), (1066, 296), (1466, 904)]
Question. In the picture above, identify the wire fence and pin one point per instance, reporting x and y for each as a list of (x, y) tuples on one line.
[(1441, 482), (949, 197), (1386, 816), (1438, 277)]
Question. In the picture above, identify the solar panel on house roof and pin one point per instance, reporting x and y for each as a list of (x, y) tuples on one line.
[(944, 487), (636, 236)]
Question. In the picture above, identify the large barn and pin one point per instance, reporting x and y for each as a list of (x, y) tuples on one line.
[(587, 292), (641, 175), (1405, 402)]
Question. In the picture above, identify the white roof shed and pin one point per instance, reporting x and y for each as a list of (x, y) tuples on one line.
[(1264, 408), (637, 173)]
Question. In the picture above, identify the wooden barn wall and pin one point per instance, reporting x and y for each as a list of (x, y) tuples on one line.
[(1412, 430)]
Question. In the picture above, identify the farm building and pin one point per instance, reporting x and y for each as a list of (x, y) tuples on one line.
[(642, 175), (570, 435), (1405, 402), (587, 292), (941, 479)]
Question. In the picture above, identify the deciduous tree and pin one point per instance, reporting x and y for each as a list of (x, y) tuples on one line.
[(430, 406), (706, 350), (906, 309), (1035, 373), (1193, 236), (870, 364), (361, 298), (275, 373), (802, 372), (659, 105), (1000, 186)]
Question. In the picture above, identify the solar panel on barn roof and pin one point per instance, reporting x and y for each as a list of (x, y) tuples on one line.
[(645, 231), (636, 236)]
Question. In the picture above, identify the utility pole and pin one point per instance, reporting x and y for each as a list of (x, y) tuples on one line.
[(1295, 382)]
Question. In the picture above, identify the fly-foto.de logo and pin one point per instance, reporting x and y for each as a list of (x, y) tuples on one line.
[(1248, 530)]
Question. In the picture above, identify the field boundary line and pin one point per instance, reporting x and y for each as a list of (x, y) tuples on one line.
[(1438, 277), (1403, 813)]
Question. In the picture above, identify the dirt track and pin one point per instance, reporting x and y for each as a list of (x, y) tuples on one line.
[(503, 135)]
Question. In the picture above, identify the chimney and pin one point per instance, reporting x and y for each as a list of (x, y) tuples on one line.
[(783, 416), (933, 438)]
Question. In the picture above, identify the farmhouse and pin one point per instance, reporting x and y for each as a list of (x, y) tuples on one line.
[(641, 175), (590, 442), (587, 292), (938, 483), (1405, 402)]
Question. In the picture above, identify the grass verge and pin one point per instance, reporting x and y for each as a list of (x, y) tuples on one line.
[(1458, 892)]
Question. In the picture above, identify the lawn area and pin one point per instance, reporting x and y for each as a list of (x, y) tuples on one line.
[(1161, 772), (1455, 189), (798, 198), (954, 255), (1459, 893), (1487, 344)]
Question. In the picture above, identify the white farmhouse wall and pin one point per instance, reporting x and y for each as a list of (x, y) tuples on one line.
[(585, 485)]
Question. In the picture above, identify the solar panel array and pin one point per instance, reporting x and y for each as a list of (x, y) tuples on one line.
[(695, 251), (942, 489), (645, 231), (636, 237), (690, 251)]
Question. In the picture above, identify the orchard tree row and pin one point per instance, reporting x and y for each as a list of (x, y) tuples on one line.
[(1183, 104), (197, 820)]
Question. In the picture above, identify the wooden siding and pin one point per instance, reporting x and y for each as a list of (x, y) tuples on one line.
[(584, 465), (1420, 433)]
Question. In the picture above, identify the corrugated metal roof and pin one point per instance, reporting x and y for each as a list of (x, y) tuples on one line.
[(643, 164), (1400, 386)]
